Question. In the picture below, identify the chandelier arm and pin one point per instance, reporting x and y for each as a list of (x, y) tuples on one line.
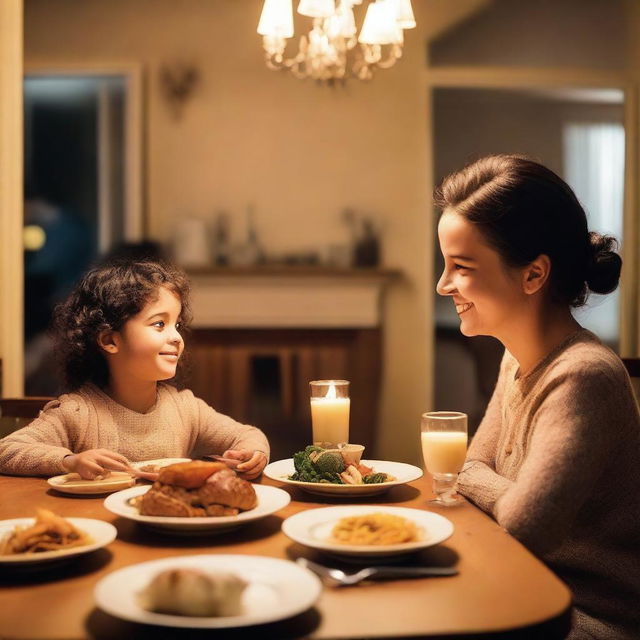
[(395, 53)]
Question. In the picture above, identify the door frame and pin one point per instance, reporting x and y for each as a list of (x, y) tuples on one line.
[(11, 199), (544, 78)]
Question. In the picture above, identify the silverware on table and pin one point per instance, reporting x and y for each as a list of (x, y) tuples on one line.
[(338, 578)]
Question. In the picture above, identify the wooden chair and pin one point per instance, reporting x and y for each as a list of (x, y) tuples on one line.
[(18, 412)]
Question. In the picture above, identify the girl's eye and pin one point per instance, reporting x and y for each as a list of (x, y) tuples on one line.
[(458, 267), (178, 326), (159, 324)]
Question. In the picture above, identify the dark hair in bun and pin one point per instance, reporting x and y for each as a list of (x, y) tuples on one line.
[(604, 270), (525, 210)]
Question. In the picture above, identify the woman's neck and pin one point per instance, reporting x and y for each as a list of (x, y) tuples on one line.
[(139, 396), (537, 335)]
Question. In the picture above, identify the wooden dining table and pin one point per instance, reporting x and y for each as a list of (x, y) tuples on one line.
[(501, 590)]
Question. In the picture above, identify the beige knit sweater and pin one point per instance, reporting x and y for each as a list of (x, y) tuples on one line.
[(556, 461), (178, 425)]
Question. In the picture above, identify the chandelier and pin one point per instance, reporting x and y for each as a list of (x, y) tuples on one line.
[(329, 52)]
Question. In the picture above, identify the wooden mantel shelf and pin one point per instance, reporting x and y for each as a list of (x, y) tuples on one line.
[(287, 297), (294, 271)]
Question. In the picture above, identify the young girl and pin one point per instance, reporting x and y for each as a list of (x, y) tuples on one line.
[(119, 336), (556, 458)]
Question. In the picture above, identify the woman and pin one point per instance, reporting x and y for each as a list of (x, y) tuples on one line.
[(556, 459)]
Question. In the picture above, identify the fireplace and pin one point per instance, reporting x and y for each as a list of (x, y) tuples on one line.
[(261, 335)]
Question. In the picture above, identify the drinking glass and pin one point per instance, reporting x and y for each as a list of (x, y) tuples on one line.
[(330, 406), (444, 448)]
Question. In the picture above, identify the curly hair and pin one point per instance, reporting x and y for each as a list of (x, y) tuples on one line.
[(105, 298)]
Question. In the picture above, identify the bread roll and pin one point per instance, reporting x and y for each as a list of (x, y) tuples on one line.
[(191, 592), (190, 475)]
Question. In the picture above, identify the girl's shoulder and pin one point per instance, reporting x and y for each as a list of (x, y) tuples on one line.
[(79, 401)]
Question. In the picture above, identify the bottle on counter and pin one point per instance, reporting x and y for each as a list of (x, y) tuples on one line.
[(250, 252), (221, 242)]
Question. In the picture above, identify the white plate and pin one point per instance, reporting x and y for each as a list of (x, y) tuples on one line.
[(101, 532), (403, 473), (270, 500), (313, 528), (277, 589), (72, 483), (159, 462)]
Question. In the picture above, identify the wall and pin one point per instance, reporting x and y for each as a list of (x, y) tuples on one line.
[(299, 152)]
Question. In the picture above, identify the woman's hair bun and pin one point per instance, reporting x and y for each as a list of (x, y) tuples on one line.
[(604, 268)]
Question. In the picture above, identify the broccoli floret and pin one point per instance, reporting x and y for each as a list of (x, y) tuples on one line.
[(305, 471), (375, 478), (329, 463), (333, 478)]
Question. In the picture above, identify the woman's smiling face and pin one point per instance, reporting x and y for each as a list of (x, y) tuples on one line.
[(488, 294)]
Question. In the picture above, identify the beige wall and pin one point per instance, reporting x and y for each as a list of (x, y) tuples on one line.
[(298, 151)]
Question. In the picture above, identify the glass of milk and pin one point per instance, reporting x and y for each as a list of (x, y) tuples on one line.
[(444, 447)]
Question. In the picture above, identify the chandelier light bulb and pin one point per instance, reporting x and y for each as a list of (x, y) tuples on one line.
[(276, 19)]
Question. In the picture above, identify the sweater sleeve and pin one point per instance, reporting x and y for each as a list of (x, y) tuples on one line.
[(38, 448), (216, 432), (573, 435), (478, 480)]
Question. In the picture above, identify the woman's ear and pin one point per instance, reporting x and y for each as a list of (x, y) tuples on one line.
[(536, 274), (107, 341)]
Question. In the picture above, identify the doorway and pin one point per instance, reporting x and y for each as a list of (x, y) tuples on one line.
[(578, 133), (78, 175)]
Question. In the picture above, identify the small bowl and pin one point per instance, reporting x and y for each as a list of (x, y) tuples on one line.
[(351, 453)]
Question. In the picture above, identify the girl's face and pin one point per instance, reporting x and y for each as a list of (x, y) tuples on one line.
[(488, 295), (149, 344)]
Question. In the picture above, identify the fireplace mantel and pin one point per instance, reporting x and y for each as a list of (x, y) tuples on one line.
[(288, 297)]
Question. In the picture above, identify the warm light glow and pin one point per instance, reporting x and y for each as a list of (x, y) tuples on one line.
[(276, 19), (317, 8), (380, 24), (404, 15), (33, 237), (330, 50), (331, 393)]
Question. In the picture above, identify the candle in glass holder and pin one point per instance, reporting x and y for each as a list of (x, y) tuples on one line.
[(330, 404)]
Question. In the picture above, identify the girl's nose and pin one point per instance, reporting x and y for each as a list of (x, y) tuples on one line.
[(175, 336), (444, 286)]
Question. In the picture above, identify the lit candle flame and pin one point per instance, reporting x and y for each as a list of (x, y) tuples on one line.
[(331, 393)]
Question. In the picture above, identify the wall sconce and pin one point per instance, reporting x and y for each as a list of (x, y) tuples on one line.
[(178, 81)]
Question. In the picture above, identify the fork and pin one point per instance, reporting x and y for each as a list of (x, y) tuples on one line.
[(338, 578)]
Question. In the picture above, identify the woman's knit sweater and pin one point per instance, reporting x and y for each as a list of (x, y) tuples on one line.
[(178, 425), (556, 461)]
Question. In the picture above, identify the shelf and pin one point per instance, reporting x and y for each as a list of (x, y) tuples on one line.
[(288, 297)]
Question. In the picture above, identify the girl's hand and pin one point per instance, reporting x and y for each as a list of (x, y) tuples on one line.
[(95, 462), (252, 462)]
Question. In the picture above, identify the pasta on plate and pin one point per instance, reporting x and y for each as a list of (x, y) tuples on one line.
[(375, 529)]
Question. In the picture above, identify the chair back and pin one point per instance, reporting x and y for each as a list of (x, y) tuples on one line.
[(15, 413), (633, 369)]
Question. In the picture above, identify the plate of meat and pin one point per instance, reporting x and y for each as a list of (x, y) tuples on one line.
[(197, 497)]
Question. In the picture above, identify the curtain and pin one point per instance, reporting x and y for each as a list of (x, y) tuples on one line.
[(594, 167)]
